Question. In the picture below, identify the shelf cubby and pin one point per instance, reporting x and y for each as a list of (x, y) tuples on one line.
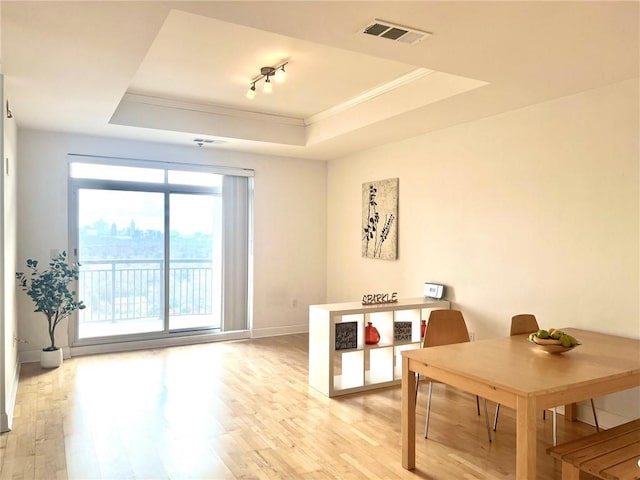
[(340, 361)]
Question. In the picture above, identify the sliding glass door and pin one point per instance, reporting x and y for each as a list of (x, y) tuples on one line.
[(121, 250), (195, 258), (150, 241)]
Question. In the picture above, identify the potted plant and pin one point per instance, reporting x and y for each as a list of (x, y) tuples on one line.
[(49, 290)]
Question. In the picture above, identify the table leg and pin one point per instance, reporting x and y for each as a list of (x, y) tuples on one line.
[(570, 472), (526, 438), (408, 425), (571, 412)]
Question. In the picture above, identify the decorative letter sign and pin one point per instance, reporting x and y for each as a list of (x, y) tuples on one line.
[(379, 298)]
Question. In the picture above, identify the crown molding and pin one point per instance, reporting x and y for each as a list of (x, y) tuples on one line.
[(369, 95)]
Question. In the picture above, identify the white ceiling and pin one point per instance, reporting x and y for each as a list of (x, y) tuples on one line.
[(176, 71)]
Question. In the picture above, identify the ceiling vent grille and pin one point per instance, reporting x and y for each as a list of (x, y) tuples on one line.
[(207, 141), (397, 33)]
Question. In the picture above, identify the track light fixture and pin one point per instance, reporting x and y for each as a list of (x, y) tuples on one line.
[(266, 73)]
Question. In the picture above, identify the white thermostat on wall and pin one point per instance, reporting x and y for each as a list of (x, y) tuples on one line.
[(433, 290)]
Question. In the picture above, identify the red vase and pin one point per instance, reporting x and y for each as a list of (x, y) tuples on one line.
[(423, 328), (371, 334)]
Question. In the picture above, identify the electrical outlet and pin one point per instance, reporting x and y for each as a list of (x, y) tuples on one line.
[(294, 303), (472, 336)]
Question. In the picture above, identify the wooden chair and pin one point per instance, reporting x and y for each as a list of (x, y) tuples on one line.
[(523, 323), (446, 327), (526, 323)]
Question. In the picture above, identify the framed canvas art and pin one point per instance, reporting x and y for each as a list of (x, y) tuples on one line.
[(380, 219), (346, 335), (402, 331)]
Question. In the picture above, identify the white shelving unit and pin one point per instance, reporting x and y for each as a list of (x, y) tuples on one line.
[(339, 360)]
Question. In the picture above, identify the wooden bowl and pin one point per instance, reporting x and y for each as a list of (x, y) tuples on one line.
[(553, 348)]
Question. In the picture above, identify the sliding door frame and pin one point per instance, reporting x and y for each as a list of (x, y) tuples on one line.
[(166, 337)]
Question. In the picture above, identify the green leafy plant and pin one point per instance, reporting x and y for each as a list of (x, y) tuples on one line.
[(49, 290)]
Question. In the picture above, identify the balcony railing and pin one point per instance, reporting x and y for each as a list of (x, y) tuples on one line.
[(119, 290)]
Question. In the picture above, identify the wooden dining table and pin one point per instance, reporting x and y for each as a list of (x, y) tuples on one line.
[(517, 374)]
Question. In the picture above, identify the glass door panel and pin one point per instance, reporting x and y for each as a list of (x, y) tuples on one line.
[(121, 250), (195, 260)]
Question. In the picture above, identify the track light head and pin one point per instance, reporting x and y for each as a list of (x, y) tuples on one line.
[(280, 75), (251, 93), (267, 88)]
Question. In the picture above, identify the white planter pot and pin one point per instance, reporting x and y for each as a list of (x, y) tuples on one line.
[(51, 358)]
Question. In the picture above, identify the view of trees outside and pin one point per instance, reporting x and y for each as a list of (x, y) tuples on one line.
[(121, 252), (195, 274)]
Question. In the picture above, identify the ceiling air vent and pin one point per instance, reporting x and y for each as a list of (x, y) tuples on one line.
[(398, 33), (207, 141)]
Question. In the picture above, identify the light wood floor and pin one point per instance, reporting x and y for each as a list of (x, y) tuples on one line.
[(241, 410)]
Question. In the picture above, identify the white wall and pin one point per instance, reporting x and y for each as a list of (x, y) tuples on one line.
[(535, 210), (8, 323), (289, 211)]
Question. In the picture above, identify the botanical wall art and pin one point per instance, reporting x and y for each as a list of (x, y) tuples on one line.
[(380, 219)]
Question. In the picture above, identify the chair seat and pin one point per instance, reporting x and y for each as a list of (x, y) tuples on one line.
[(446, 327)]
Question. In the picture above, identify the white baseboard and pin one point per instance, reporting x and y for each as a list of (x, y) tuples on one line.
[(606, 419), (12, 396), (6, 417), (31, 356), (157, 343), (277, 331)]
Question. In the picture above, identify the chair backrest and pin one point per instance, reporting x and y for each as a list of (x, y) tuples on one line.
[(523, 323), (444, 328)]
